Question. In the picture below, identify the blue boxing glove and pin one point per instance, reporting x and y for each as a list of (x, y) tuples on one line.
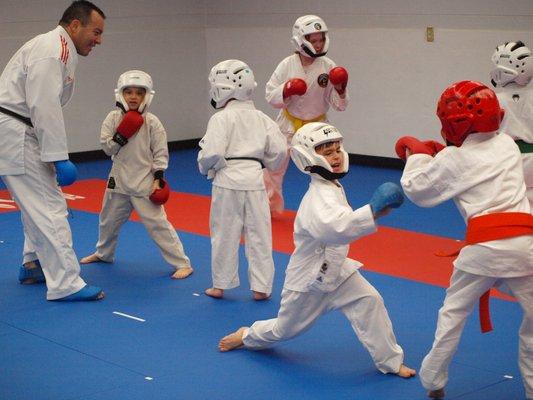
[(387, 195), (66, 172)]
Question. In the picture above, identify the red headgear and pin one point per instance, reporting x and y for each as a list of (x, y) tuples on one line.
[(468, 107)]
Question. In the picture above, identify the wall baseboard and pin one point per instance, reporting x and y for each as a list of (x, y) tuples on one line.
[(358, 159)]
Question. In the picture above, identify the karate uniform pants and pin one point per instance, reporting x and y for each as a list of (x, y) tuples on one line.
[(44, 215), (356, 298), (117, 208), (236, 212), (461, 297)]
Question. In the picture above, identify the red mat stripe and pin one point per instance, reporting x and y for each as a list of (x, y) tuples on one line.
[(390, 251)]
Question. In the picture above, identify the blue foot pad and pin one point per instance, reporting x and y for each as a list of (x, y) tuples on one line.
[(29, 276), (88, 293)]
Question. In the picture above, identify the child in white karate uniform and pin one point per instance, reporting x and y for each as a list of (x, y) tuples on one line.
[(239, 141), (137, 142), (304, 86), (481, 170), (320, 277), (511, 75)]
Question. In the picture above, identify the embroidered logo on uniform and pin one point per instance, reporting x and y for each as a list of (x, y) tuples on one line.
[(318, 26), (64, 50), (323, 80)]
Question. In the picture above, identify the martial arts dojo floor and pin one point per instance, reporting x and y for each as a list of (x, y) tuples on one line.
[(156, 338)]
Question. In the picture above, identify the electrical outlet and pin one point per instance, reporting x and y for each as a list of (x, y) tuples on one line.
[(430, 34)]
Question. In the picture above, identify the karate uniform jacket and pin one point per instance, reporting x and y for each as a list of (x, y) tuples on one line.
[(240, 130), (324, 227), (484, 175), (316, 101), (134, 164), (36, 83)]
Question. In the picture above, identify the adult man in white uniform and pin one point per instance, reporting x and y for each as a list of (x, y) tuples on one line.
[(34, 86), (512, 73)]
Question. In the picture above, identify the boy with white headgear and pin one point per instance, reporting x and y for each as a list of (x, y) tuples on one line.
[(239, 141), (137, 143), (320, 277), (303, 86), (513, 70)]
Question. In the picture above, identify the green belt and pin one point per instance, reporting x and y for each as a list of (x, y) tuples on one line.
[(524, 146)]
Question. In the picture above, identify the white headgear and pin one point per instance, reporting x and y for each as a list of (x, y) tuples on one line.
[(513, 63), (137, 79), (304, 155), (305, 26), (230, 79)]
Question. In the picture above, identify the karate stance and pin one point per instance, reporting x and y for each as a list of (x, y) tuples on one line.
[(304, 86), (481, 170), (320, 277), (137, 142)]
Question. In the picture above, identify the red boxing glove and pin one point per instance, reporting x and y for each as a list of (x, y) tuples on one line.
[(414, 145), (338, 77), (434, 146), (130, 124), (294, 87), (161, 195)]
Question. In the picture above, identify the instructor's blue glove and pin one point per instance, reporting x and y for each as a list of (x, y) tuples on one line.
[(66, 172), (386, 195)]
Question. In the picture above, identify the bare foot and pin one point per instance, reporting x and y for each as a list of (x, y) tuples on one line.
[(232, 341), (406, 372), (258, 296), (214, 292), (90, 259), (436, 394), (182, 273)]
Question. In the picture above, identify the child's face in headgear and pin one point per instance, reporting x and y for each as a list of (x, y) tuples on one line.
[(134, 96)]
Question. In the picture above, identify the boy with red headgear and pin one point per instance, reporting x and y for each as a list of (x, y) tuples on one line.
[(481, 170)]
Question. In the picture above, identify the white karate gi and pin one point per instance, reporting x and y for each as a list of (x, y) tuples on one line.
[(239, 204), (320, 278), (129, 187), (518, 123), (36, 83), (482, 176), (314, 103)]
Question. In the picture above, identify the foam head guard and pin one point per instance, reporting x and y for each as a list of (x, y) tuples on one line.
[(468, 107), (303, 150), (230, 79), (513, 62), (134, 78), (304, 26)]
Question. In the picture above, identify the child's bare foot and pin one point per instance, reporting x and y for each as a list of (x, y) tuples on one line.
[(90, 259), (406, 372), (232, 341), (436, 394), (214, 292), (258, 296), (182, 273)]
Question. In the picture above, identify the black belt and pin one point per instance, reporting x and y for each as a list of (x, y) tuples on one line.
[(13, 114), (247, 158), (524, 146)]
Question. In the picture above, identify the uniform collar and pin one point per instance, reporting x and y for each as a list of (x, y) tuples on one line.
[(240, 104)]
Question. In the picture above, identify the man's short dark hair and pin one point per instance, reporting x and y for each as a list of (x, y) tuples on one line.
[(80, 10)]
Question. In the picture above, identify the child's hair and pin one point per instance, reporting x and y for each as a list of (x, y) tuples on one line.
[(323, 146)]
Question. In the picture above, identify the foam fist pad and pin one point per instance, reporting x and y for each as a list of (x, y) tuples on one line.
[(160, 196), (386, 195), (130, 124), (338, 77), (414, 145), (66, 172), (294, 87)]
